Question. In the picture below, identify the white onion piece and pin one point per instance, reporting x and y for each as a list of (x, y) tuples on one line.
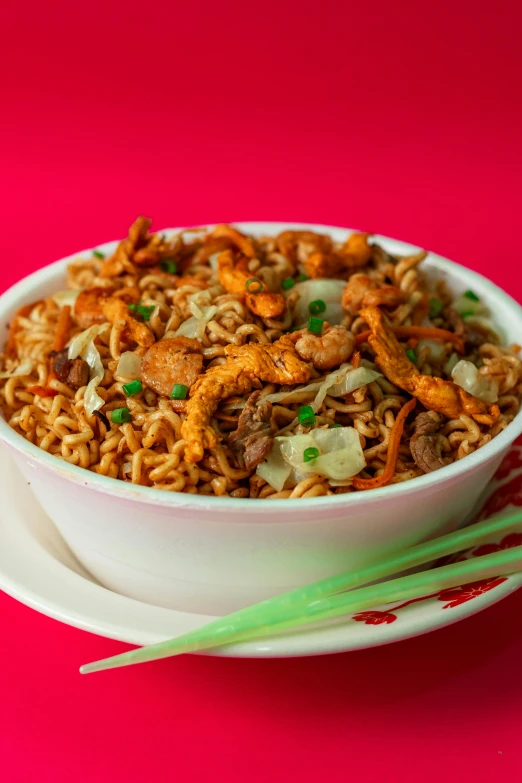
[(342, 381), (25, 368), (195, 326), (82, 340), (465, 305), (63, 298), (92, 400), (467, 376), (129, 366), (436, 348), (340, 456), (330, 291), (275, 470)]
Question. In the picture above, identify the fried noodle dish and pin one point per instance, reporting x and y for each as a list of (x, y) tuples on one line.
[(215, 363)]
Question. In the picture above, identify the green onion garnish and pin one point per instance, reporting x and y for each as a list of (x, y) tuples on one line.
[(315, 325), (306, 416), (130, 389), (435, 308), (169, 266), (254, 286), (121, 416), (410, 353), (467, 313), (179, 392), (302, 278), (98, 254), (335, 425), (287, 283), (143, 310), (316, 307), (310, 454), (471, 295)]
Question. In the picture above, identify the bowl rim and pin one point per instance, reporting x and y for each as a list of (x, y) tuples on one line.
[(20, 292)]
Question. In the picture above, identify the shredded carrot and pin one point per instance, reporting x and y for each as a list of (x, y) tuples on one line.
[(41, 391), (356, 359), (63, 328), (393, 451), (420, 332), (23, 312)]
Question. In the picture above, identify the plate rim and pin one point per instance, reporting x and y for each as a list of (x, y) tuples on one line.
[(341, 637)]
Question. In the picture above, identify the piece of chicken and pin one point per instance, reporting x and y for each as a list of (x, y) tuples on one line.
[(115, 309), (234, 278), (88, 308), (355, 252), (298, 246), (171, 361), (140, 249), (276, 363), (435, 393), (234, 238)]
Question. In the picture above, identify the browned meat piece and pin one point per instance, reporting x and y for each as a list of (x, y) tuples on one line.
[(73, 372), (253, 440), (426, 443), (171, 361)]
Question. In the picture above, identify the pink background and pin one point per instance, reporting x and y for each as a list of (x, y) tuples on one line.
[(404, 119)]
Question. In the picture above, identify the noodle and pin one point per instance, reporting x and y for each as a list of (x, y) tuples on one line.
[(180, 298)]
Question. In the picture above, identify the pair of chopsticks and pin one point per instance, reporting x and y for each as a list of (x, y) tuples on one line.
[(327, 598)]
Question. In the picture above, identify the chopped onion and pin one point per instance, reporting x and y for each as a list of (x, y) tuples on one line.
[(467, 376), (342, 381), (129, 366), (82, 340), (63, 298), (195, 327), (436, 348), (340, 456), (330, 291), (464, 304), (92, 400), (275, 470), (83, 346), (25, 368)]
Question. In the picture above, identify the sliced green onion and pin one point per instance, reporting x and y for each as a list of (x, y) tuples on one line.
[(315, 325), (169, 266), (317, 306), (254, 286), (467, 313), (410, 353), (130, 389), (179, 392), (306, 416), (98, 254), (310, 454), (287, 283), (121, 416), (143, 310), (471, 295), (302, 278), (335, 425), (435, 308)]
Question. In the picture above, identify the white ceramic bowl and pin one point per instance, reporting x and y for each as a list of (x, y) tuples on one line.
[(214, 555)]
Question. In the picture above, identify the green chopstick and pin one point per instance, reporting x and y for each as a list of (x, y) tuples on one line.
[(276, 613)]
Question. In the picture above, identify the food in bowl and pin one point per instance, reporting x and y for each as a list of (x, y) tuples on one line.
[(211, 362)]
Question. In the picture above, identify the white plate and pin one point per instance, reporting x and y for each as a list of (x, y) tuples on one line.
[(38, 569)]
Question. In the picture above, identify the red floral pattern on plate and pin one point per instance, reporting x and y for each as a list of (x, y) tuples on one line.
[(459, 595), (375, 617), (507, 494)]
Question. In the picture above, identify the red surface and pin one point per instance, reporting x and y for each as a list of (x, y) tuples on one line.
[(398, 117)]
